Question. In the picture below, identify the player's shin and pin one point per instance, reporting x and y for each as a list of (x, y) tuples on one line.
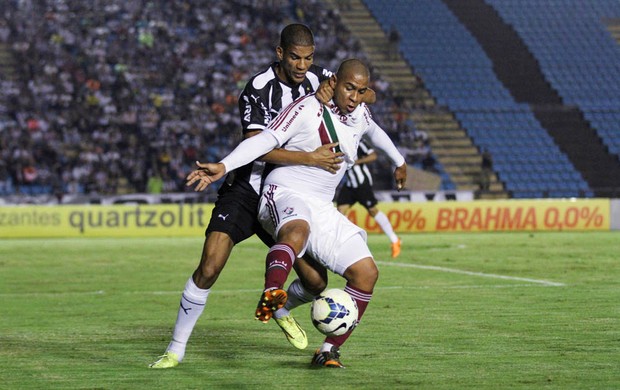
[(362, 298), (279, 262), (192, 304)]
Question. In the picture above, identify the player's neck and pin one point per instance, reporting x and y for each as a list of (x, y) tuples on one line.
[(277, 69)]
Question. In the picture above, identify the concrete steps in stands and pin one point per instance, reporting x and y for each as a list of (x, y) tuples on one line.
[(450, 144)]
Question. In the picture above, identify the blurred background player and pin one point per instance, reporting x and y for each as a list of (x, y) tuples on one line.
[(296, 204), (358, 188), (234, 216)]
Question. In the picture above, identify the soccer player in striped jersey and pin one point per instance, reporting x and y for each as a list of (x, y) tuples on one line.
[(296, 202), (358, 188), (234, 217)]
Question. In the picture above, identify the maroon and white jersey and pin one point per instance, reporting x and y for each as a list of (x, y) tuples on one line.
[(262, 99), (304, 126)]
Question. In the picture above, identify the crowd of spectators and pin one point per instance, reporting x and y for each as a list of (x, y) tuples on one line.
[(115, 96)]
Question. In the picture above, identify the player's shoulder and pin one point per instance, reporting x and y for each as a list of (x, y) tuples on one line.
[(262, 79), (303, 109), (362, 111), (308, 103), (320, 72), (366, 113), (365, 109)]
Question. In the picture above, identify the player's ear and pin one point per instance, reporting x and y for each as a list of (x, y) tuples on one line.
[(279, 53)]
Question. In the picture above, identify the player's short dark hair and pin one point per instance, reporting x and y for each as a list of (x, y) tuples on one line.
[(296, 34)]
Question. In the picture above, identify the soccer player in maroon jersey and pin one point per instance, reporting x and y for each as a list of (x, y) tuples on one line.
[(234, 217)]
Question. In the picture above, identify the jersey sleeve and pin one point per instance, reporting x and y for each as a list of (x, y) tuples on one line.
[(380, 140), (249, 150)]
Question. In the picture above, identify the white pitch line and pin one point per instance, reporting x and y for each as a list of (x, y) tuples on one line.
[(463, 272), (171, 292), (459, 287), (101, 292), (392, 264)]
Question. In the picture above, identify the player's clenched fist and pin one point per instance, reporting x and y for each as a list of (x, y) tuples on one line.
[(400, 175), (206, 174)]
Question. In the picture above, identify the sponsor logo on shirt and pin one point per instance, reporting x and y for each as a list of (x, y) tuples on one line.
[(290, 121)]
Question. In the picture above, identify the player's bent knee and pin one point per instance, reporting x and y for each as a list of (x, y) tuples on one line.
[(311, 275), (372, 274), (363, 274)]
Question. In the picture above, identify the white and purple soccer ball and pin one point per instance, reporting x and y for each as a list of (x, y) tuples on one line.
[(334, 312)]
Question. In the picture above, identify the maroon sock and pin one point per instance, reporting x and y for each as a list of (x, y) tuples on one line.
[(279, 262), (362, 298)]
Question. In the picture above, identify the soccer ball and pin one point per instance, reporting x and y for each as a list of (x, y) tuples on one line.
[(334, 312)]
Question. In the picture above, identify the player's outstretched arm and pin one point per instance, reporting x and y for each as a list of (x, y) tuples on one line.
[(205, 174), (367, 159), (247, 151), (322, 157)]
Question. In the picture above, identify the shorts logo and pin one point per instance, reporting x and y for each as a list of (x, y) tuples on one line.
[(223, 216)]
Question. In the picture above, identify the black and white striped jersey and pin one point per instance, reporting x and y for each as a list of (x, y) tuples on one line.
[(263, 97), (360, 174)]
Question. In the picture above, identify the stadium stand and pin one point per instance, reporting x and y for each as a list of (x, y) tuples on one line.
[(454, 158), (105, 97), (579, 58), (538, 143)]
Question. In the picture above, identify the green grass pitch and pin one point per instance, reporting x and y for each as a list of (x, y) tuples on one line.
[(454, 311)]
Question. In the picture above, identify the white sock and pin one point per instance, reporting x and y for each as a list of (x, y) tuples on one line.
[(386, 226), (192, 304), (326, 347), (297, 296)]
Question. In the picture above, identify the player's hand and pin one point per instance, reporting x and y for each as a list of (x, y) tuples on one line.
[(370, 96), (325, 92), (324, 158), (400, 175), (205, 174)]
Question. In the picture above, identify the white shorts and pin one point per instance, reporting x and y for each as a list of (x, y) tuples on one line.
[(334, 241)]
